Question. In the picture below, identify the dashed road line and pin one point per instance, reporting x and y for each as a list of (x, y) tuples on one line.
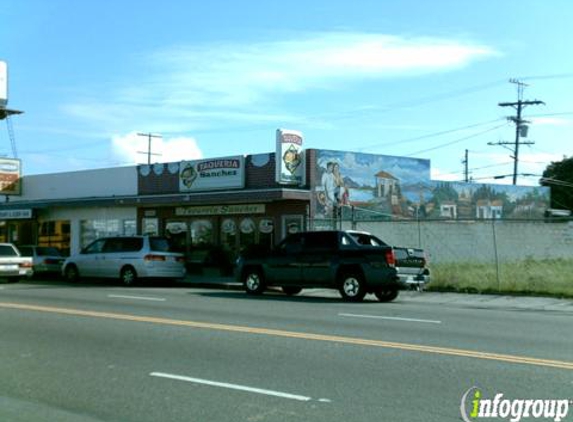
[(428, 321), (156, 299), (230, 386)]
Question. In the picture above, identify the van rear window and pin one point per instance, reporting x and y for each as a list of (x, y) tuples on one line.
[(160, 244)]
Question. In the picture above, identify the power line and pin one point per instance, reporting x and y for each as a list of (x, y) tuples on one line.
[(431, 135), (456, 141), (555, 76)]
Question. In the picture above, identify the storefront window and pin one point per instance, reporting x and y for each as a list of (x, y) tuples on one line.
[(292, 224), (202, 233), (129, 227), (248, 231), (266, 230), (176, 231), (150, 226), (94, 229), (229, 234), (55, 234)]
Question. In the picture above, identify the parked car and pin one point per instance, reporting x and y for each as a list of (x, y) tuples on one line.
[(126, 258), (14, 266), (45, 259), (328, 259)]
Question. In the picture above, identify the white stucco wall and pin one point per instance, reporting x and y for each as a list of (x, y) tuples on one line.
[(119, 181)]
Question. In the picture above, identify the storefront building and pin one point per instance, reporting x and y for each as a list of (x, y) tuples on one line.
[(211, 209), (214, 208)]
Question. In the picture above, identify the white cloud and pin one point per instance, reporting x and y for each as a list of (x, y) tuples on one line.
[(187, 86), (550, 121), (239, 74), (132, 148)]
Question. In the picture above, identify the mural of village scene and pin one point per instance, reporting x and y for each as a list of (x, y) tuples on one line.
[(476, 200), (368, 186)]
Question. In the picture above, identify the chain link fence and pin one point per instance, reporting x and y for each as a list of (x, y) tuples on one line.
[(517, 256)]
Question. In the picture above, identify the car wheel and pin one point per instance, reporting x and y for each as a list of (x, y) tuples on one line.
[(128, 276), (291, 290), (254, 282), (352, 287), (386, 295), (72, 274)]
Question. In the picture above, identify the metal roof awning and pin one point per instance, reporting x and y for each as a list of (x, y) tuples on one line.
[(203, 198)]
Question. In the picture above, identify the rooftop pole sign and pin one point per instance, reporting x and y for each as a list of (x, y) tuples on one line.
[(290, 163), (10, 176)]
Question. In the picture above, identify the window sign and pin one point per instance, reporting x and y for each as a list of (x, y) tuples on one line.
[(292, 224), (266, 225), (228, 226), (15, 214), (247, 226), (150, 226)]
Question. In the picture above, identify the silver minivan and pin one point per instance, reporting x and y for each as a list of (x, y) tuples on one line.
[(127, 258)]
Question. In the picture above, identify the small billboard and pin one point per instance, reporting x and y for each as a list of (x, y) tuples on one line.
[(212, 174), (3, 84), (290, 163), (10, 176)]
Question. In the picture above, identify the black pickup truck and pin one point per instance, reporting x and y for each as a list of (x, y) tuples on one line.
[(348, 261)]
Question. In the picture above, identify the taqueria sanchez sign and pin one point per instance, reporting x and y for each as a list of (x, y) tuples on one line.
[(212, 174)]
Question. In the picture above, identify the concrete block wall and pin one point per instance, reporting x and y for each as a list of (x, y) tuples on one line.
[(478, 241)]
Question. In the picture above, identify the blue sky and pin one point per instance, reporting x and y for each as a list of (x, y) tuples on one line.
[(405, 78)]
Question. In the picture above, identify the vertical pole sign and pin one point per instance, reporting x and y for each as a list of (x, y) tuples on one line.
[(290, 162)]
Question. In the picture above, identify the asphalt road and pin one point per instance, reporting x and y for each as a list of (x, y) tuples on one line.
[(99, 352)]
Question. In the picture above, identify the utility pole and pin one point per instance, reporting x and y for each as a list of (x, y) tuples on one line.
[(520, 127), (465, 162), (149, 154)]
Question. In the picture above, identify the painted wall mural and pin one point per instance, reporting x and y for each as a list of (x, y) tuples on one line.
[(387, 187), (371, 183), (478, 200)]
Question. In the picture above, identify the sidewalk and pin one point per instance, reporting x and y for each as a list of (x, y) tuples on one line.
[(431, 298), (491, 301)]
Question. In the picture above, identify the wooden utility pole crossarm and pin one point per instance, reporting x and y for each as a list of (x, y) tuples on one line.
[(519, 105), (149, 153)]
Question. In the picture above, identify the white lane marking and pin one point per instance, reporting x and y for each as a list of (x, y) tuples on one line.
[(157, 299), (428, 321), (234, 387)]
